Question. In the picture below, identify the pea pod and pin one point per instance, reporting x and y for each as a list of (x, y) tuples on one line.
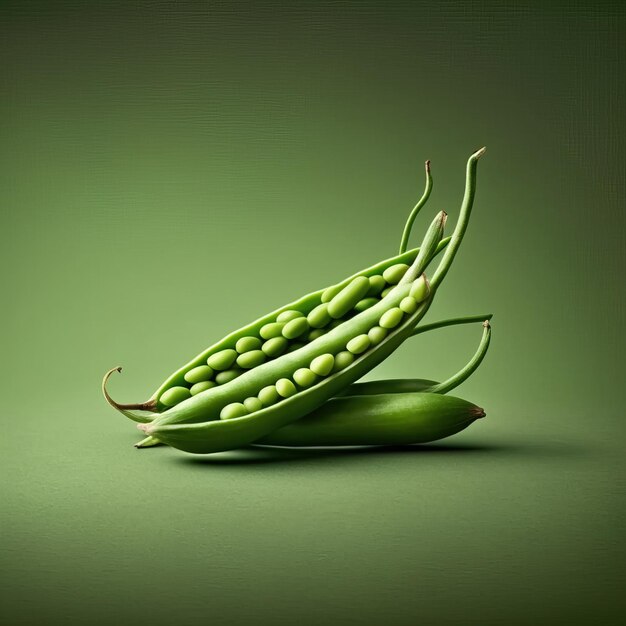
[(181, 427), (378, 420), (306, 377)]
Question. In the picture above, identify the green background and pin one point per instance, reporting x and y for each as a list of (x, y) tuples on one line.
[(172, 170)]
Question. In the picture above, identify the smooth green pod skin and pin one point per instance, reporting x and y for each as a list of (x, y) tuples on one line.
[(378, 420), (391, 385), (345, 300), (306, 303)]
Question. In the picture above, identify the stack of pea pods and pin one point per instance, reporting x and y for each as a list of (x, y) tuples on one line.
[(289, 378)]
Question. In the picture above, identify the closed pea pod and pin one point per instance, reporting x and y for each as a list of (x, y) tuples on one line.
[(378, 420)]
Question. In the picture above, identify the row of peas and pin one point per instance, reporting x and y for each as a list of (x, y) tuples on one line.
[(290, 331), (327, 364)]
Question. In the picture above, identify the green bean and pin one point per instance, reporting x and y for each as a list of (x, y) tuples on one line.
[(222, 360), (288, 315), (285, 388), (391, 318), (271, 330), (322, 365), (226, 376), (343, 360), (253, 404), (305, 377), (377, 284), (377, 334), (199, 374), (296, 327), (174, 395), (408, 305), (394, 274), (247, 344), (275, 346), (359, 344), (365, 303), (251, 359), (201, 386), (348, 297)]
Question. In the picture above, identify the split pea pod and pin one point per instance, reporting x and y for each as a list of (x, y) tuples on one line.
[(181, 427), (378, 420)]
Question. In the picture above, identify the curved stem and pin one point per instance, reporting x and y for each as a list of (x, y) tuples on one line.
[(461, 225), (451, 322), (428, 249), (148, 442), (416, 209), (463, 374), (126, 409)]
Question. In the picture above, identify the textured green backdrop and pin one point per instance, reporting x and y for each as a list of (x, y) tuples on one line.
[(171, 170)]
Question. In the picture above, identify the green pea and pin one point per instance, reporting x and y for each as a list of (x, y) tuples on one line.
[(391, 318), (345, 300), (246, 344), (304, 377), (322, 365), (377, 284), (296, 345), (253, 404), (275, 346), (394, 274), (359, 344), (408, 305), (201, 386), (335, 323), (330, 293), (174, 395), (234, 409), (319, 316), (285, 387), (386, 292), (376, 334), (315, 333), (287, 316), (199, 374), (419, 289), (365, 304), (271, 330), (251, 359), (296, 327), (268, 395), (222, 360), (221, 378), (342, 360)]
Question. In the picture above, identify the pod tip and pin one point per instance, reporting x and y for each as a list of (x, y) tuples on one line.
[(486, 324), (427, 165), (479, 153), (477, 412)]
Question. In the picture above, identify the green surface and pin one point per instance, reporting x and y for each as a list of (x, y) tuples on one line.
[(170, 171)]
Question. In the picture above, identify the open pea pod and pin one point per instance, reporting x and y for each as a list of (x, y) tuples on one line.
[(283, 330), (276, 393)]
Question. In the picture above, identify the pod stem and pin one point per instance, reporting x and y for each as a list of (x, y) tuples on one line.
[(455, 321), (463, 374), (428, 249), (461, 225), (416, 209), (148, 442), (127, 409)]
